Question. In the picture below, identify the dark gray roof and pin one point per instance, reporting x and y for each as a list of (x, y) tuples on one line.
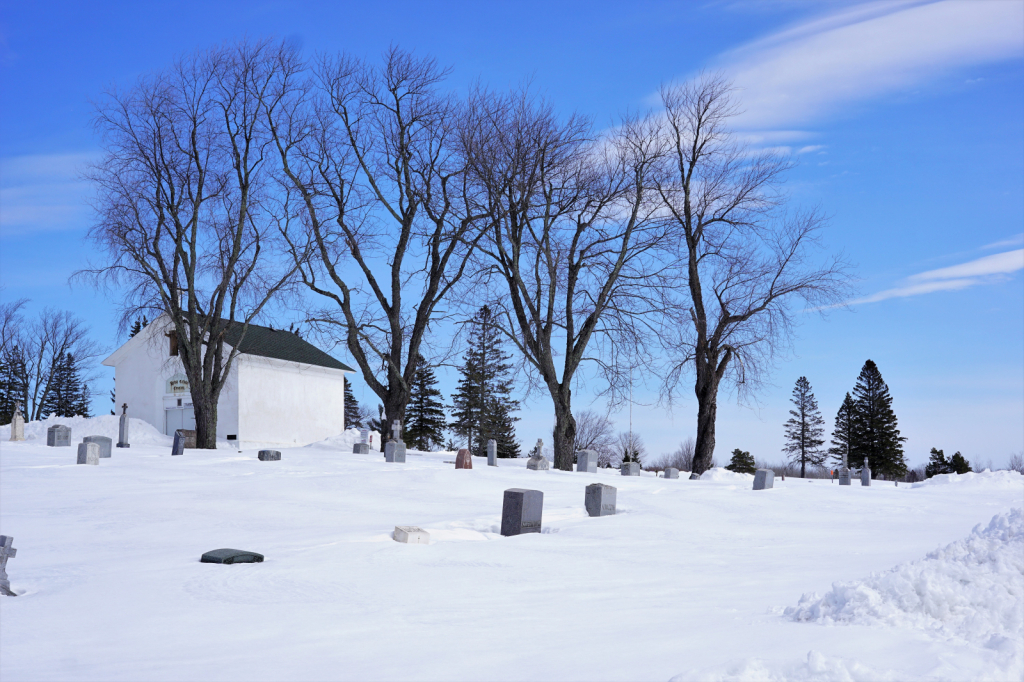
[(279, 344)]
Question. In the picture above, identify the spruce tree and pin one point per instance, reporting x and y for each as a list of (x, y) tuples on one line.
[(13, 384), (500, 425), (352, 419), (959, 465), (137, 326), (484, 387), (805, 428), (876, 435), (937, 464), (741, 462), (424, 415), (81, 404), (842, 434)]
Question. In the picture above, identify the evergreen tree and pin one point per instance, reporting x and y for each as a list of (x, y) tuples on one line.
[(352, 418), (501, 426), (13, 384), (741, 462), (937, 464), (138, 326), (64, 388), (842, 434), (424, 415), (876, 435), (81, 405), (959, 465), (484, 389), (804, 429)]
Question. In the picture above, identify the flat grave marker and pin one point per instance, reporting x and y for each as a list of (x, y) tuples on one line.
[(269, 455), (411, 535)]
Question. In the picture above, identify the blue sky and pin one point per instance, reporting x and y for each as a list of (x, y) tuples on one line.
[(906, 119)]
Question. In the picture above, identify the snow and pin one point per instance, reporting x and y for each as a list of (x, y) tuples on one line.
[(690, 580)]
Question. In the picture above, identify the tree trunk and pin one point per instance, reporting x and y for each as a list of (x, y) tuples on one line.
[(565, 432), (205, 408), (706, 389)]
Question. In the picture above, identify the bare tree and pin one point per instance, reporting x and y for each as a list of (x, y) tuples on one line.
[(570, 243), (631, 447), (188, 206), (1016, 462), (682, 457), (745, 260), (11, 321), (370, 152), (595, 432)]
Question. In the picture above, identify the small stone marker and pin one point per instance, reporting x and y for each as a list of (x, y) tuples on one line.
[(17, 424), (58, 436), (103, 442), (122, 429), (694, 476), (269, 455), (362, 447), (7, 551), (630, 468), (178, 447), (600, 499), (537, 461), (492, 453), (671, 472), (394, 452), (88, 453), (586, 461), (411, 535), (844, 476), (865, 474), (521, 511), (464, 460), (764, 479), (231, 556)]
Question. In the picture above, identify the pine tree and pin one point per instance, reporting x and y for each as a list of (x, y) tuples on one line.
[(876, 435), (937, 464), (81, 405), (424, 415), (352, 418), (484, 386), (741, 462), (959, 465), (13, 384), (842, 434), (501, 426), (804, 429), (65, 395), (138, 326)]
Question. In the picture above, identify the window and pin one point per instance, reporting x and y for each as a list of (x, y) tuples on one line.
[(174, 343)]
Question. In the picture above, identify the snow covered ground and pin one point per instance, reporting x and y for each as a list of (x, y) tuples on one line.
[(690, 580)]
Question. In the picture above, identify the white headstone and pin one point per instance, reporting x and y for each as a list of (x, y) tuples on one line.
[(88, 453), (411, 535), (17, 424)]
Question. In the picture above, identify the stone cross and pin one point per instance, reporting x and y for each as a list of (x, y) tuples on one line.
[(17, 424), (7, 551), (396, 430)]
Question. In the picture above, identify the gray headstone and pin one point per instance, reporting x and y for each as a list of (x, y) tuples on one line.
[(764, 479), (88, 453), (538, 462), (586, 461), (394, 451), (58, 436), (600, 499), (361, 449), (269, 455), (630, 468), (521, 511), (492, 453), (122, 430), (104, 443), (7, 551), (671, 472), (17, 424), (178, 447), (865, 474), (694, 476), (231, 556), (844, 476)]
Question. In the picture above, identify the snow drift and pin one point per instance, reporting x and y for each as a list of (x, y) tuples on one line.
[(139, 432)]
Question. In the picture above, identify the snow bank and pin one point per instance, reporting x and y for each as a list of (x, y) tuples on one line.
[(345, 440), (139, 432), (972, 589), (722, 475), (984, 478)]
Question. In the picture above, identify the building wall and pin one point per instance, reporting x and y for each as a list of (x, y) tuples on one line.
[(288, 403)]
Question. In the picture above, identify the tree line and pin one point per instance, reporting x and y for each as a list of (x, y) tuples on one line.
[(246, 174)]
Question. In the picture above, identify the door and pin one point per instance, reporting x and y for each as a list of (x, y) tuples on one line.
[(179, 418)]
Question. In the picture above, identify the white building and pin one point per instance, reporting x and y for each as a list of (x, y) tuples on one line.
[(280, 390)]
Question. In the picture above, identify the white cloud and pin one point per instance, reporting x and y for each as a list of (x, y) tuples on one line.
[(43, 192), (814, 69), (981, 271), (1015, 240)]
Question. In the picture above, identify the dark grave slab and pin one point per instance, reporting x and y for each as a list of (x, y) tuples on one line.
[(600, 499), (464, 459), (231, 556), (521, 511), (178, 446), (269, 455)]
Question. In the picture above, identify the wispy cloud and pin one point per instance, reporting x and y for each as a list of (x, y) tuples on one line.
[(43, 193), (1016, 240), (814, 69), (980, 271)]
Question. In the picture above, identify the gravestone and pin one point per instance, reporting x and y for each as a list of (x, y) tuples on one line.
[(103, 442), (122, 429), (362, 447), (17, 424), (88, 453), (394, 449), (492, 453), (269, 455), (671, 472), (7, 551), (586, 461), (764, 479), (58, 436), (411, 535), (865, 474), (630, 468), (600, 499), (178, 447), (694, 476), (521, 511), (190, 438), (231, 556), (464, 460), (844, 476), (537, 461)]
